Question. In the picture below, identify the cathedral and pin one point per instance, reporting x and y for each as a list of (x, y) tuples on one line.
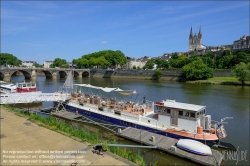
[(195, 41)]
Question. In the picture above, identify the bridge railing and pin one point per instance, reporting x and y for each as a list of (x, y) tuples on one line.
[(32, 97)]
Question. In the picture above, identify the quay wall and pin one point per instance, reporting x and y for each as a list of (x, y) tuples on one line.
[(168, 75)]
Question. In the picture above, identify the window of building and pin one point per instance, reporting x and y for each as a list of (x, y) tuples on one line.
[(192, 115), (181, 113), (168, 111)]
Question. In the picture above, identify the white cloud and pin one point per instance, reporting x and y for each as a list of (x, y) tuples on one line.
[(104, 42)]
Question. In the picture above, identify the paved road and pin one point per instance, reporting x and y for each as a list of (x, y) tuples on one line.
[(25, 143)]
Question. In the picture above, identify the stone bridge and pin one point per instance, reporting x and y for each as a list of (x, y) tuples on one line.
[(31, 73)]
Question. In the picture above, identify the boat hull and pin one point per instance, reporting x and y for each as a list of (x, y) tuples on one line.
[(124, 123)]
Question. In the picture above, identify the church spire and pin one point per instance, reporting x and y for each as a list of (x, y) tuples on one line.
[(191, 33), (200, 33)]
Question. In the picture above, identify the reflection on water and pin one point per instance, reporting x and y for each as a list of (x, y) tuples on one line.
[(220, 100)]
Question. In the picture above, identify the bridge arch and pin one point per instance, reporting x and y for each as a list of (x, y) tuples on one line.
[(76, 74), (26, 74), (47, 74), (62, 74), (85, 74)]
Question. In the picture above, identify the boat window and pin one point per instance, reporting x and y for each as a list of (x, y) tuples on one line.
[(168, 111), (192, 115), (148, 121), (181, 113), (24, 85), (33, 84)]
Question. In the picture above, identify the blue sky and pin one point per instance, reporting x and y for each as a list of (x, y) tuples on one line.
[(45, 30)]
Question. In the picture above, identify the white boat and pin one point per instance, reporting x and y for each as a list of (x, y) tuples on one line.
[(194, 147), (24, 87), (170, 118)]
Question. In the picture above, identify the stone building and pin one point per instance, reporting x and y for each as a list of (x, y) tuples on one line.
[(131, 62), (46, 64), (195, 41), (243, 44), (28, 63)]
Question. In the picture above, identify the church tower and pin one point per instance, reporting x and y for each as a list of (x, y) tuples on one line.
[(195, 41)]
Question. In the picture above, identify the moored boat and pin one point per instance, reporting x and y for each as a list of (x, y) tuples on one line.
[(194, 147), (24, 87), (168, 118)]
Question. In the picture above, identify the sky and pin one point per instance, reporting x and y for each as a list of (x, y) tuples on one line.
[(45, 30)]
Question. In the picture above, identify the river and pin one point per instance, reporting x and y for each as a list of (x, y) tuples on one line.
[(221, 101)]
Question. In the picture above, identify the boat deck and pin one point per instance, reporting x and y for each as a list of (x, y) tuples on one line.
[(66, 115), (164, 143), (134, 108)]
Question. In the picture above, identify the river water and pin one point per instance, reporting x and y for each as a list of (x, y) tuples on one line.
[(221, 101)]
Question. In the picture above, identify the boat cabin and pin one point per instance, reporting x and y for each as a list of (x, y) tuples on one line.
[(7, 88), (26, 87), (182, 115)]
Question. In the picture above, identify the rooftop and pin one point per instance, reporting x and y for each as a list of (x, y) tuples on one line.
[(184, 106)]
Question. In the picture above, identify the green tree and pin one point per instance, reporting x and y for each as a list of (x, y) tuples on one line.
[(149, 64), (197, 70), (241, 57), (101, 61), (208, 61), (158, 74), (9, 59), (112, 58), (134, 67), (241, 71), (161, 64), (178, 62), (58, 62), (174, 56)]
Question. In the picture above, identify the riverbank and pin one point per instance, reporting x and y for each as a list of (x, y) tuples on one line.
[(220, 81), (26, 143)]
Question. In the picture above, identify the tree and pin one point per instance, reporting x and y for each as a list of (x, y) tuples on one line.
[(9, 59), (197, 70), (59, 63), (178, 62), (241, 71), (134, 67), (241, 57), (208, 61), (113, 58), (102, 62), (157, 74), (161, 64), (149, 64)]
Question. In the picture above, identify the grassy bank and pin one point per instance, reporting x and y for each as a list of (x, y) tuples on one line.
[(81, 134), (220, 81)]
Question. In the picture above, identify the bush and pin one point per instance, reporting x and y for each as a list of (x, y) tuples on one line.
[(197, 70), (241, 71), (157, 74)]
